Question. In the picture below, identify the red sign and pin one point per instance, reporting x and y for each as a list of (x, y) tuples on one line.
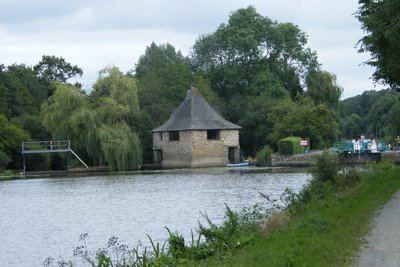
[(304, 143)]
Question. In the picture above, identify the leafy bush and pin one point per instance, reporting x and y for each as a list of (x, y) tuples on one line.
[(290, 146), (325, 167), (382, 166), (263, 157), (313, 191)]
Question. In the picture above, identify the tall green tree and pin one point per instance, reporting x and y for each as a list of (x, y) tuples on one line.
[(352, 126), (16, 96), (164, 77), (116, 104), (52, 68), (100, 125), (120, 146), (249, 47), (80, 126), (66, 114), (29, 78), (318, 123), (5, 93), (380, 21), (253, 119), (21, 94), (394, 120), (116, 96), (323, 89), (254, 63), (11, 137)]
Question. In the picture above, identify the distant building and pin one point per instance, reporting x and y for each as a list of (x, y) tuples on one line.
[(196, 135)]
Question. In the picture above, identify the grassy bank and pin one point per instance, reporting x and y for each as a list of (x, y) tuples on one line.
[(322, 232)]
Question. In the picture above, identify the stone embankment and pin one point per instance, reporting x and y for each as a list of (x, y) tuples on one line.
[(298, 160)]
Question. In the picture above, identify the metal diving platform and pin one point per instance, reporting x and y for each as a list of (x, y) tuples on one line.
[(52, 146)]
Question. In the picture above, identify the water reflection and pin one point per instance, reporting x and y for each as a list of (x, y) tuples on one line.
[(44, 217)]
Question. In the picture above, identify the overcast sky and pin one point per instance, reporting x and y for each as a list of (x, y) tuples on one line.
[(95, 34)]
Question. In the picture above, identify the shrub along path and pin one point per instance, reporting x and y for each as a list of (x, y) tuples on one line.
[(383, 244)]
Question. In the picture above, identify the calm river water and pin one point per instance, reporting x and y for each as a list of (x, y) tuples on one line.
[(44, 217)]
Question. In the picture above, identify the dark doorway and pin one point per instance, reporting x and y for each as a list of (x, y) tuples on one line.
[(231, 154), (158, 156)]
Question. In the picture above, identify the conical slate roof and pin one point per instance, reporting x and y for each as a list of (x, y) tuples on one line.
[(195, 113)]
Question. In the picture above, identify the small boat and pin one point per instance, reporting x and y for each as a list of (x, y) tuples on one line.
[(240, 164)]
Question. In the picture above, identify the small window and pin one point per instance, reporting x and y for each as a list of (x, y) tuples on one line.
[(160, 136), (212, 134), (174, 136)]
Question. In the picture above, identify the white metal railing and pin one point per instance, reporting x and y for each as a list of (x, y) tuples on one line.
[(46, 146)]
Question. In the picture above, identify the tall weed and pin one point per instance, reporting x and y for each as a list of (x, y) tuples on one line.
[(382, 166)]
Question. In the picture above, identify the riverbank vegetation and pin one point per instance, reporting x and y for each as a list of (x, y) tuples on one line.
[(321, 225), (326, 223), (258, 72)]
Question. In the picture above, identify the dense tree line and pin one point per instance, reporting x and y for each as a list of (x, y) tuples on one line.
[(39, 104), (373, 113), (257, 72), (21, 94)]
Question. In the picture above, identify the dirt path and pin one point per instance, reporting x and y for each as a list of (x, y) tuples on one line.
[(383, 244)]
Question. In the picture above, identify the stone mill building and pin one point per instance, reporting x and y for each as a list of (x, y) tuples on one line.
[(196, 135)]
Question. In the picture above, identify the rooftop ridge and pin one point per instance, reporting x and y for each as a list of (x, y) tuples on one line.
[(195, 113)]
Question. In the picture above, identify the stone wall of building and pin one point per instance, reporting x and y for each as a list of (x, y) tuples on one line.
[(158, 139), (194, 149), (176, 154), (207, 152)]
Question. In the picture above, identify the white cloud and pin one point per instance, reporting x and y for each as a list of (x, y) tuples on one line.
[(93, 34)]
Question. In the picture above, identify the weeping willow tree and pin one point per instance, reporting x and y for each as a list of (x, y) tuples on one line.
[(101, 124), (65, 113), (115, 95), (115, 101), (120, 146)]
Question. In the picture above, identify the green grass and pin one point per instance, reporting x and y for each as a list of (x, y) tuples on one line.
[(325, 232)]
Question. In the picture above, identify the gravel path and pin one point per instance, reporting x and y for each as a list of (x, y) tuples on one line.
[(383, 244)]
